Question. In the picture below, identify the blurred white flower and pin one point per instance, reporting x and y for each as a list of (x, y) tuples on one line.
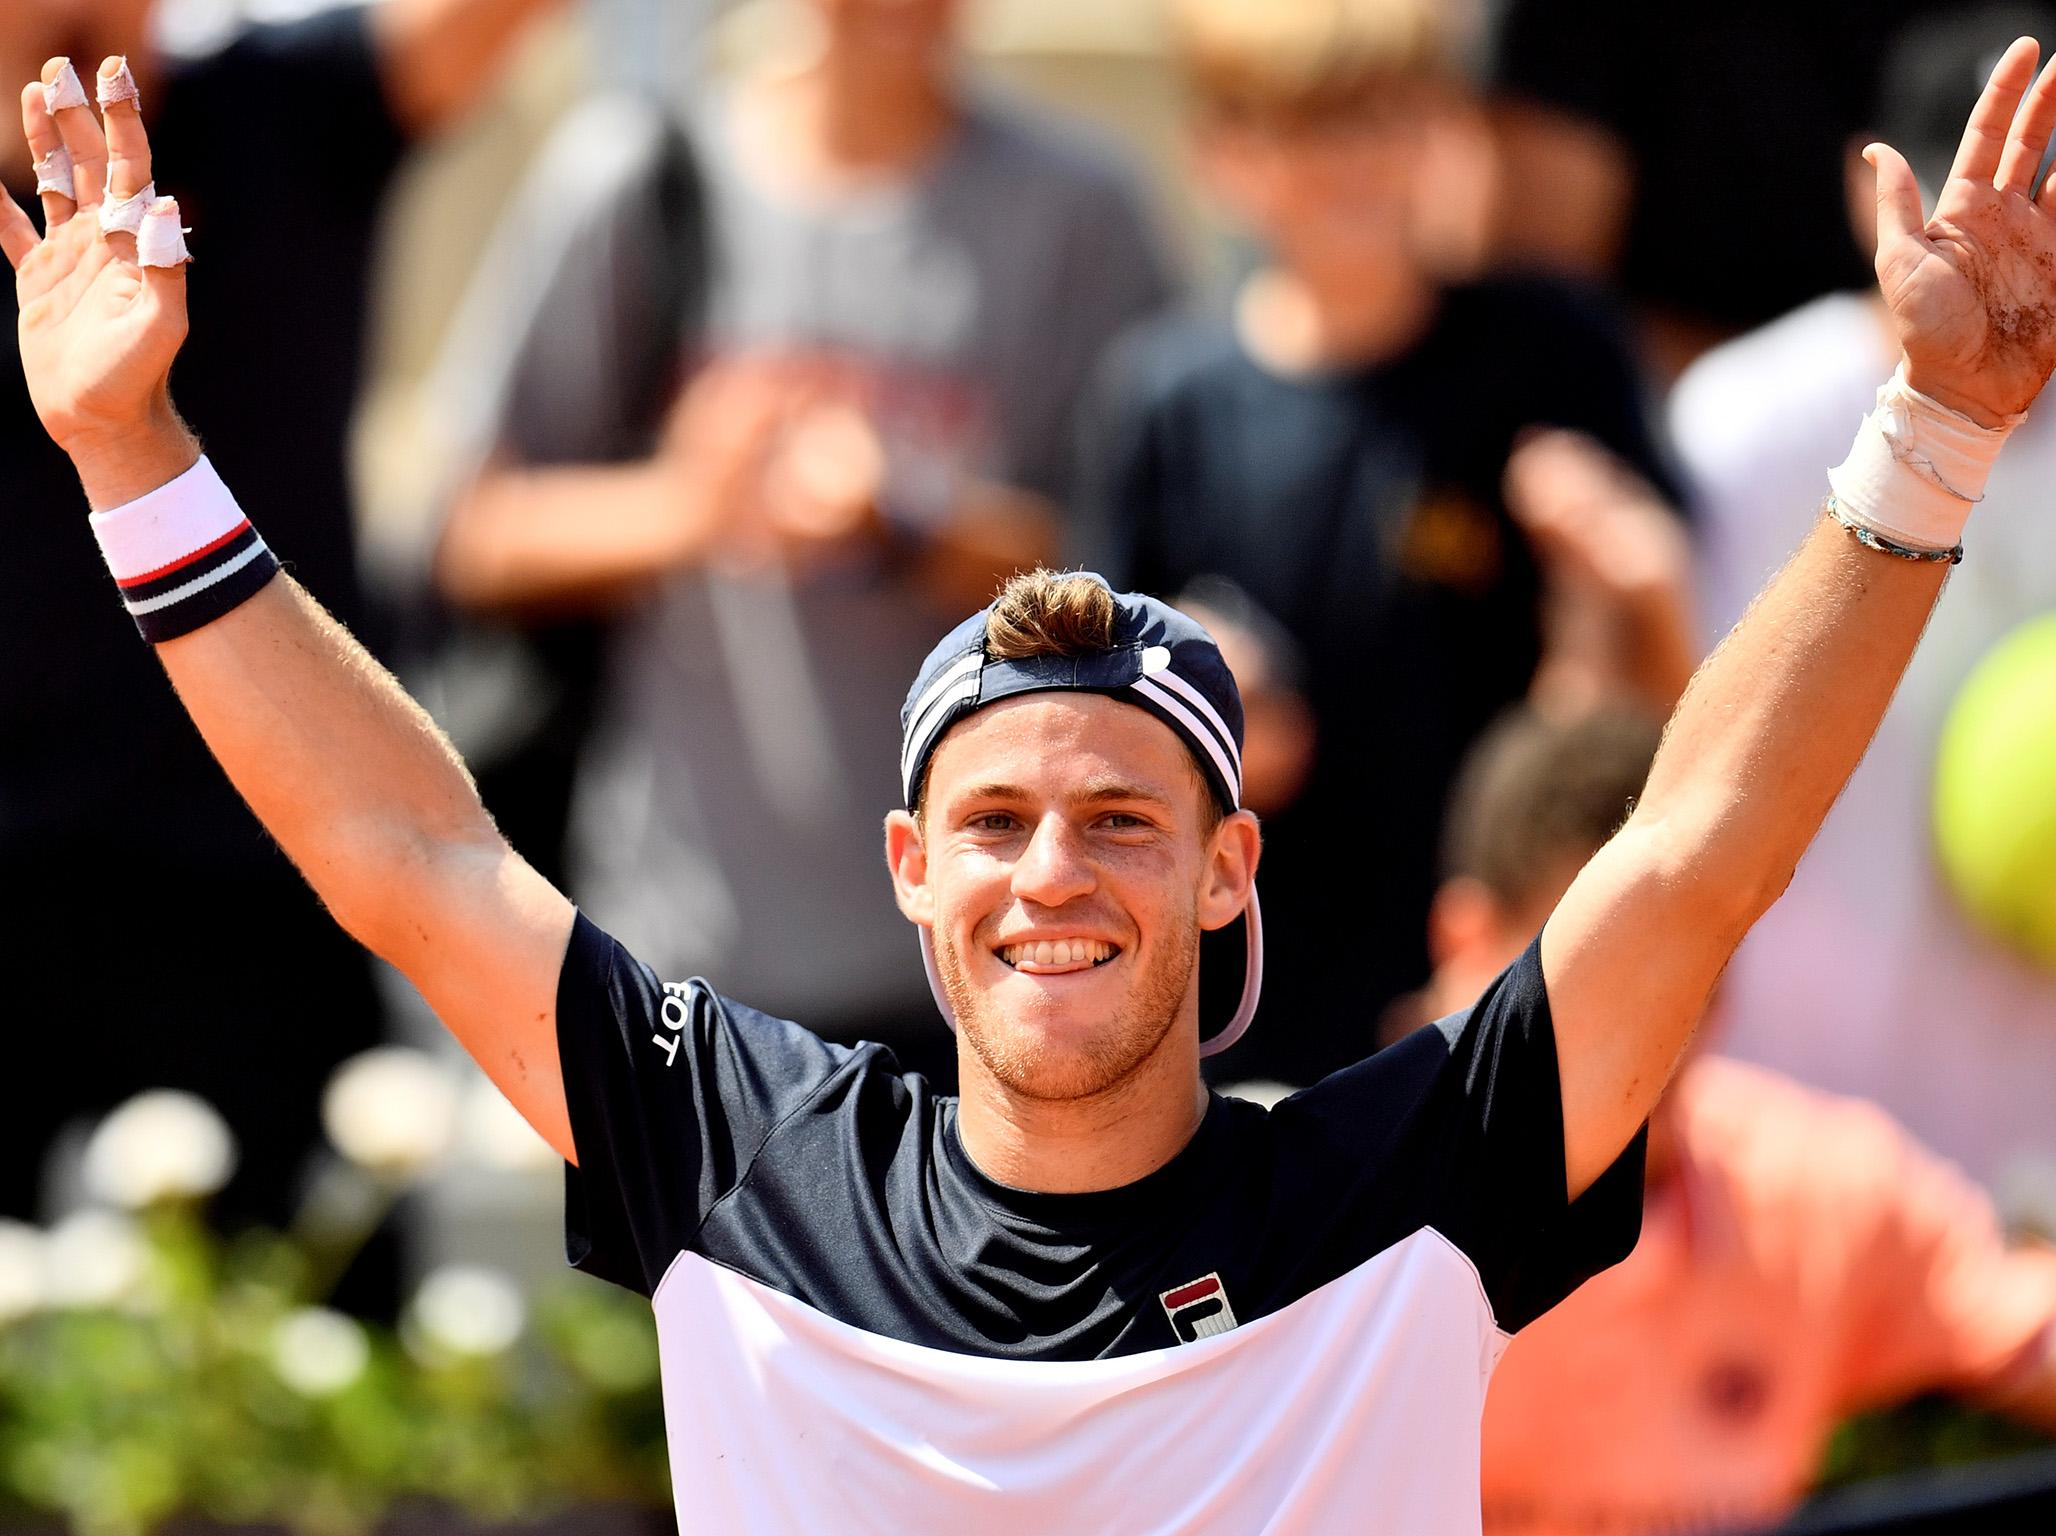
[(493, 1134), (95, 1259), (24, 1279), (392, 1110), (160, 1145), (318, 1353), (465, 1310)]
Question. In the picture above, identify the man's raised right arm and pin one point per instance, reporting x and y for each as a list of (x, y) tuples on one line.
[(373, 805), (349, 774)]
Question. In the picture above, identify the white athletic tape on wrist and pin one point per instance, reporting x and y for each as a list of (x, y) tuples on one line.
[(53, 173), (161, 242), (119, 86), (126, 213), (64, 92), (1916, 468), (183, 555)]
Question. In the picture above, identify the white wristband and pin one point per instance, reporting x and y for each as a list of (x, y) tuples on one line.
[(183, 555), (1916, 468)]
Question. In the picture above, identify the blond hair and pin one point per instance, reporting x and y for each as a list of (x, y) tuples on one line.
[(1050, 613), (1296, 58)]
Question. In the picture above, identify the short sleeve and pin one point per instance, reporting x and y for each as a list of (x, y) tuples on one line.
[(571, 340), (672, 1092), (1937, 1300), (1459, 1127)]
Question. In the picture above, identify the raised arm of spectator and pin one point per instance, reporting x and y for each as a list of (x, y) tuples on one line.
[(1770, 729), (439, 57), (348, 774)]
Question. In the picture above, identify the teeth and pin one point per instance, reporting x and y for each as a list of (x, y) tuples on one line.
[(1053, 952)]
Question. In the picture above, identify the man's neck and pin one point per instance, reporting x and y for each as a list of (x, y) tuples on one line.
[(1074, 1146), (832, 122), (1305, 321)]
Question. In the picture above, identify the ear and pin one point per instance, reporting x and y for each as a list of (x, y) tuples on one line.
[(1463, 922), (907, 857), (1231, 870)]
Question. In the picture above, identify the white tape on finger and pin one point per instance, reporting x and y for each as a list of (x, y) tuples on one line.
[(53, 173), (65, 91), (161, 242), (126, 213), (119, 86)]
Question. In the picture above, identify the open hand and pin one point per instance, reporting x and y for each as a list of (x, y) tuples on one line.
[(1972, 291), (97, 331)]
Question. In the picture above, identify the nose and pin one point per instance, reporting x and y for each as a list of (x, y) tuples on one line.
[(1053, 868)]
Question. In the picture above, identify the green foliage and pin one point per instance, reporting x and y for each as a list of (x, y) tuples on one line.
[(180, 1398), (1927, 1432)]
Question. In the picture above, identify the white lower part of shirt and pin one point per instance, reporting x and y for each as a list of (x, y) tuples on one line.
[(1354, 1410)]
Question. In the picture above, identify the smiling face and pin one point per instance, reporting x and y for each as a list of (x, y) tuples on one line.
[(1067, 859)]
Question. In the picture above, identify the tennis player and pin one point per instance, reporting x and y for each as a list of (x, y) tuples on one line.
[(1088, 1295)]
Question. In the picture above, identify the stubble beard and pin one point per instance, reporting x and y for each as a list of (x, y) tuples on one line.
[(1020, 1058)]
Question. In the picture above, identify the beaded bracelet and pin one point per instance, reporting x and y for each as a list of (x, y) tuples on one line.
[(1869, 538)]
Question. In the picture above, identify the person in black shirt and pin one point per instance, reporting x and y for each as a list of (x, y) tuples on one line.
[(881, 1309), (1340, 454), (107, 799)]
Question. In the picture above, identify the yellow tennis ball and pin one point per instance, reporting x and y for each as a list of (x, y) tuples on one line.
[(1995, 792)]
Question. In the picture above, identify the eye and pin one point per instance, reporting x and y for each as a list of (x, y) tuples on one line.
[(992, 822), (1123, 821)]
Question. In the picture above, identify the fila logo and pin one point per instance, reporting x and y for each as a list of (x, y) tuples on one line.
[(1198, 1309)]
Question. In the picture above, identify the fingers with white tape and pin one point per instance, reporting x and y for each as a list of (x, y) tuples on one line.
[(118, 85), (64, 102), (61, 88), (52, 160), (130, 189), (161, 241)]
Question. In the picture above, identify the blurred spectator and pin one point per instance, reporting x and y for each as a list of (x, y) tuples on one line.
[(910, 285), (1661, 188), (1346, 455), (1867, 978), (1802, 1258), (240, 988)]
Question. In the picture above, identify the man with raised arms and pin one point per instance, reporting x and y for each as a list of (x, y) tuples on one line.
[(1088, 1295)]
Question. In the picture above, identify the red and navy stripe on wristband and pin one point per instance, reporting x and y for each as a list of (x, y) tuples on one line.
[(183, 555)]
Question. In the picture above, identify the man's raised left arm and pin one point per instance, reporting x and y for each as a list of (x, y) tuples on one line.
[(1775, 722)]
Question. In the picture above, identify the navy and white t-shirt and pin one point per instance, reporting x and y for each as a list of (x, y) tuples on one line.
[(1286, 1328)]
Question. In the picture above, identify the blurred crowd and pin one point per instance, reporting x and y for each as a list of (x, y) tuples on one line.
[(1465, 370)]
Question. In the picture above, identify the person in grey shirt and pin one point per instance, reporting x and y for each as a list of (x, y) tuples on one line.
[(800, 367)]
